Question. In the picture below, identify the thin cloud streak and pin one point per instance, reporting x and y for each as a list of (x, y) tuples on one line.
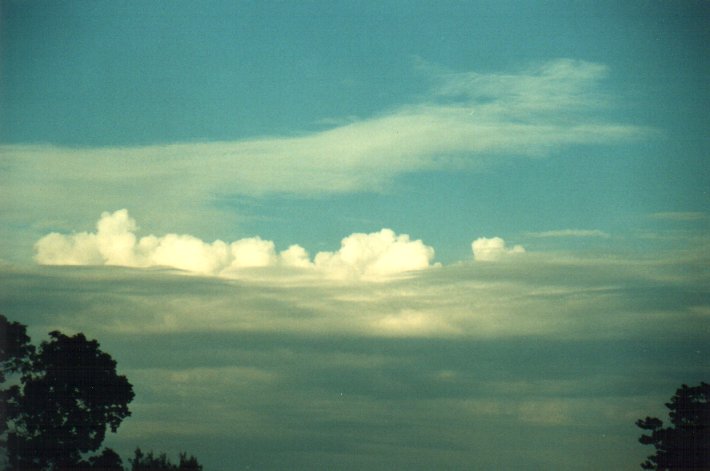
[(680, 216), (570, 233)]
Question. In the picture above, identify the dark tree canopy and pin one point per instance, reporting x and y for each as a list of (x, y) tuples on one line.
[(61, 400), (15, 348), (16, 353), (108, 460), (68, 395), (685, 444)]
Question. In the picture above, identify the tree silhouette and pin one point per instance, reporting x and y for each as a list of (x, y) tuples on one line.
[(67, 396), (108, 460), (149, 462), (61, 399), (686, 443), (15, 348)]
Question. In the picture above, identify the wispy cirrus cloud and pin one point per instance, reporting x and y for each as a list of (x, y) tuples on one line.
[(680, 216), (465, 117)]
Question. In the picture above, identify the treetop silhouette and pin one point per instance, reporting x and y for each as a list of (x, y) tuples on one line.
[(62, 398), (68, 395), (685, 443)]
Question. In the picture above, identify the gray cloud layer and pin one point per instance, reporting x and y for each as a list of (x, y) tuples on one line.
[(543, 361)]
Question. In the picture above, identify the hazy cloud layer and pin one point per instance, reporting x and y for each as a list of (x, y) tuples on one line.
[(361, 256), (539, 294), (545, 351)]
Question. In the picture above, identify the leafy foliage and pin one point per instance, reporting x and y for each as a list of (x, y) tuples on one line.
[(685, 444)]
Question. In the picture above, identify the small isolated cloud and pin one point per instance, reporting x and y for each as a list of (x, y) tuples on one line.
[(361, 256), (571, 233), (492, 249)]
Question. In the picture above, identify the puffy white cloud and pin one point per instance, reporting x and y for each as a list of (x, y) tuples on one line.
[(375, 255), (361, 256), (79, 249), (115, 243), (295, 256), (492, 249), (185, 252), (253, 252), (115, 238)]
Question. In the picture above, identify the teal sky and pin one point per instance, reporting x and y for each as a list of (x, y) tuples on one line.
[(425, 181), (116, 74)]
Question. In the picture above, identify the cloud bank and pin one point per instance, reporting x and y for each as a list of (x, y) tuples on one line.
[(361, 256), (538, 349)]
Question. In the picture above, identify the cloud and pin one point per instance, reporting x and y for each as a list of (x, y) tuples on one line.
[(476, 351), (79, 249), (464, 118), (492, 249), (544, 296), (557, 86), (571, 233), (361, 256), (680, 216), (409, 323), (376, 255)]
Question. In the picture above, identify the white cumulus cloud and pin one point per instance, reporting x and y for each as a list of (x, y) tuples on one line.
[(375, 255), (492, 249), (79, 249), (361, 256)]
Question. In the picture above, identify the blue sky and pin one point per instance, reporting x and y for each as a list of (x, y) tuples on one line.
[(102, 75), (408, 177)]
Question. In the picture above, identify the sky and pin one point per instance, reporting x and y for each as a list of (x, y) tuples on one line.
[(365, 235)]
